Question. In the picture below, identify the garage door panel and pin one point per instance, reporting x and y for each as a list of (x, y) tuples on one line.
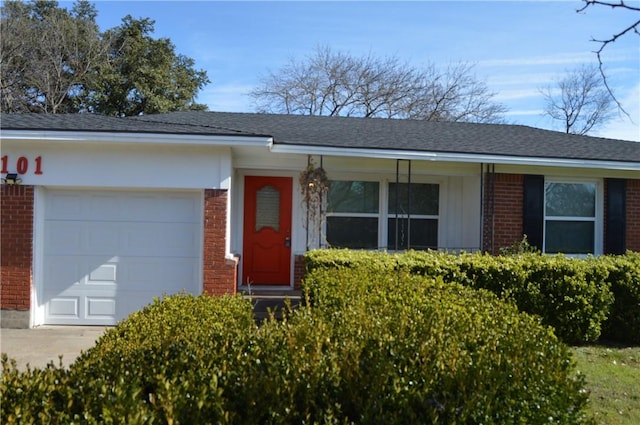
[(160, 274), (177, 207), (62, 272), (105, 290), (98, 307), (151, 239), (68, 237), (62, 205), (105, 207), (61, 307), (122, 206), (78, 238), (165, 208), (103, 274), (102, 237), (66, 271), (105, 258)]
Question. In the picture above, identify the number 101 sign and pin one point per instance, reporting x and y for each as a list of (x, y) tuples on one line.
[(21, 165)]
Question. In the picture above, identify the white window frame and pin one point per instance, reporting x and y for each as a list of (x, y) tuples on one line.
[(377, 215), (413, 216), (597, 219), (383, 215)]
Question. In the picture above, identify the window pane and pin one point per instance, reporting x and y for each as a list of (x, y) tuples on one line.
[(570, 199), (268, 208), (422, 234), (569, 237), (352, 232), (424, 198), (353, 196)]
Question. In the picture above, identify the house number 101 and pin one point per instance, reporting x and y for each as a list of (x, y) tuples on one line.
[(22, 165)]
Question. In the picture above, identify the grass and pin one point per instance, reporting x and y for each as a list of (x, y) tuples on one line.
[(613, 378)]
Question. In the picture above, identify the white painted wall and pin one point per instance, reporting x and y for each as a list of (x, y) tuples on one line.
[(121, 165)]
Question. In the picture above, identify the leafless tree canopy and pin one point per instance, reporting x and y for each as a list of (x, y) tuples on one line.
[(579, 101), (632, 28), (338, 84)]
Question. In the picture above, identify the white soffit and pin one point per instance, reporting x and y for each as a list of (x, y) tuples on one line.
[(455, 157)]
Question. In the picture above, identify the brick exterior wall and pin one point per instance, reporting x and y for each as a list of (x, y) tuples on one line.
[(219, 274), (503, 203), (16, 248), (503, 209), (298, 271), (633, 215)]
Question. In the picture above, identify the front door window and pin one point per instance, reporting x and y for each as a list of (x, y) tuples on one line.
[(267, 208)]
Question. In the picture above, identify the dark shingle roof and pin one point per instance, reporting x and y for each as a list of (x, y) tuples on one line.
[(103, 124), (359, 133)]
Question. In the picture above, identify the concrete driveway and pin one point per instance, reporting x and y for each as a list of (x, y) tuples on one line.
[(41, 345)]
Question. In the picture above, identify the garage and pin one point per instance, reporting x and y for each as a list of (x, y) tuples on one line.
[(105, 254)]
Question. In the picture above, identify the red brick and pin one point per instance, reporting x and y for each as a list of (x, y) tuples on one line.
[(503, 204), (219, 274), (16, 238)]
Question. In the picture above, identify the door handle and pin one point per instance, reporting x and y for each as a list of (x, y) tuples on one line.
[(287, 242)]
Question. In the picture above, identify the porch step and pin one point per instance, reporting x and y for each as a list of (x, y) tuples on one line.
[(272, 301)]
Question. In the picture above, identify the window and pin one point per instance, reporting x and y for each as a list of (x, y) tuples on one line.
[(267, 208), (413, 216), (570, 218), (355, 218), (352, 214)]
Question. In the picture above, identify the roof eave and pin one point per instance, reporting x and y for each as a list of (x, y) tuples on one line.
[(456, 157), (128, 137)]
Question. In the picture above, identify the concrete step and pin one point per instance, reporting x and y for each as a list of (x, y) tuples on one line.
[(272, 301)]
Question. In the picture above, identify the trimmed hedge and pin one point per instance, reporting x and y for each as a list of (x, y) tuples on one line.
[(422, 351), (34, 396), (165, 364), (372, 348), (623, 324), (575, 296), (571, 295)]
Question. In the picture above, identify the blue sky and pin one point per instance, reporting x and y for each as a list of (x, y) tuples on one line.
[(517, 47)]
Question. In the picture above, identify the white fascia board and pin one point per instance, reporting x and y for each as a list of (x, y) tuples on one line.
[(455, 157), (149, 138)]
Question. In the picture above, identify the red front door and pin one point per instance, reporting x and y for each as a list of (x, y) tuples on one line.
[(266, 255)]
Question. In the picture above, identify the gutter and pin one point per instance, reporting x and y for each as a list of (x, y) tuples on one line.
[(455, 157), (132, 137)]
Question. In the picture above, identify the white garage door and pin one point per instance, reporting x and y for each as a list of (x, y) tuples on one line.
[(107, 254)]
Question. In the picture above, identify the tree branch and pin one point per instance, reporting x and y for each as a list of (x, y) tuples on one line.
[(605, 42)]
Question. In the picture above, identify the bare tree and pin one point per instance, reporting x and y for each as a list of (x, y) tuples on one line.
[(580, 101), (631, 28), (454, 95), (337, 84)]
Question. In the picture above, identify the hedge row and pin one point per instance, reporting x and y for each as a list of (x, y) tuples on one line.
[(583, 299), (179, 360), (373, 349)]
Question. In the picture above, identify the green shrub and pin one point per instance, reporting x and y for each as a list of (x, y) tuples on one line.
[(372, 348), (176, 361), (34, 395), (415, 350), (623, 324), (572, 295), (179, 360)]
